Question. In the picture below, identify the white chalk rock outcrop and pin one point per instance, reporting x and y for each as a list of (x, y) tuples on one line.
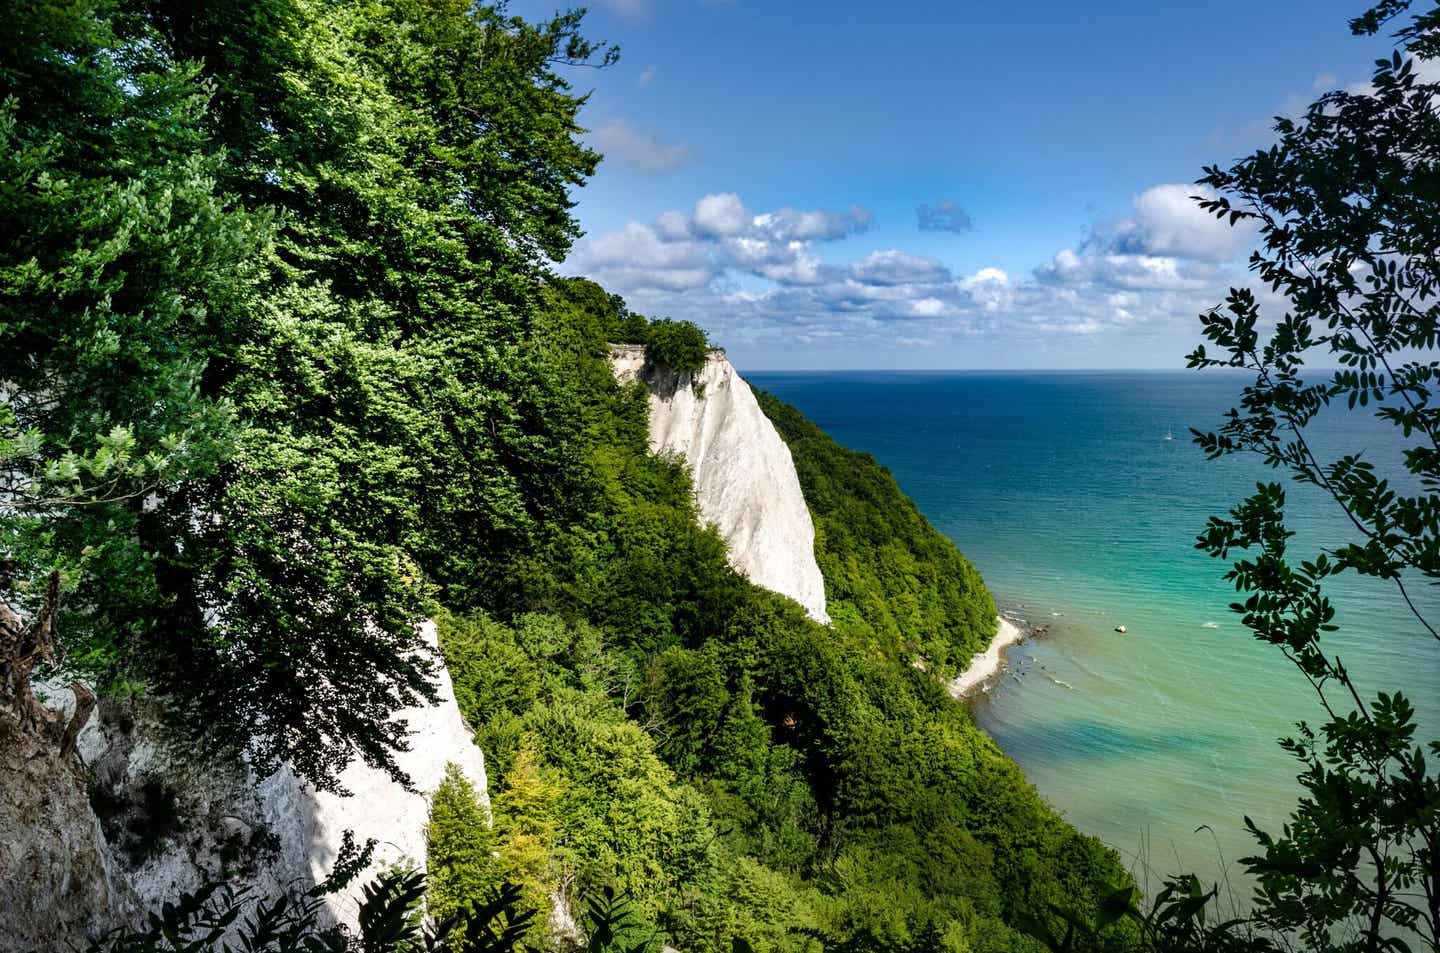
[(280, 833), (58, 887), (745, 481), (312, 824)]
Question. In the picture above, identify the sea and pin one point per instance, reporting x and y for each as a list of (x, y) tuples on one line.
[(1079, 496)]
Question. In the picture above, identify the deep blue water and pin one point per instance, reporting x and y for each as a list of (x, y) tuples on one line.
[(1064, 491)]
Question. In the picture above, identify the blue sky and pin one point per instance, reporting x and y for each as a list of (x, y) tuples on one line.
[(769, 166)]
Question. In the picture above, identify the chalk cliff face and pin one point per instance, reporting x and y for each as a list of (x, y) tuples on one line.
[(745, 481), (168, 821), (57, 880), (288, 832)]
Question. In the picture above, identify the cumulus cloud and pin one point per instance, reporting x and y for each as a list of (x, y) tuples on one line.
[(638, 258), (1169, 221), (989, 276), (750, 275), (719, 216), (1169, 244), (1110, 270), (781, 262), (989, 289), (621, 140), (719, 236), (927, 308), (789, 224), (672, 226), (893, 267), (943, 216)]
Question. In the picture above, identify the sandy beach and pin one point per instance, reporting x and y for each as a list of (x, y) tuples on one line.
[(988, 663)]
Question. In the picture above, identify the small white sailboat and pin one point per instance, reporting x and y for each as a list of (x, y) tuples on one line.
[(1169, 435)]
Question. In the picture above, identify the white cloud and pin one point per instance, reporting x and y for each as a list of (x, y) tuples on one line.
[(1427, 71), (1115, 270), (989, 289), (1132, 270), (894, 267), (637, 258), (788, 224), (647, 76), (672, 226), (751, 277), (1169, 221), (720, 215), (620, 140), (781, 262), (988, 275), (719, 236)]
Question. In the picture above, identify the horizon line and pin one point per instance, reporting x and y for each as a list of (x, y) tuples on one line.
[(994, 370)]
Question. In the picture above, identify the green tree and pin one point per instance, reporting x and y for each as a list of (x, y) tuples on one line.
[(493, 676), (460, 871), (680, 346), (1348, 217), (257, 453), (687, 694), (399, 435), (117, 254), (526, 826)]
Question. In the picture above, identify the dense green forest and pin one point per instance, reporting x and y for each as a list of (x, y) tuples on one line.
[(286, 372), (665, 726), (890, 578)]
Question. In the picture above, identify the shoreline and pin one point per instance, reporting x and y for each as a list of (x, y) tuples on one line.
[(988, 664)]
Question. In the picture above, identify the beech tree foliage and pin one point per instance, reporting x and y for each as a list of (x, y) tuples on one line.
[(1347, 206), (266, 389), (117, 252)]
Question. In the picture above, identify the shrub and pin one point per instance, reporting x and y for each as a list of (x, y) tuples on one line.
[(678, 345)]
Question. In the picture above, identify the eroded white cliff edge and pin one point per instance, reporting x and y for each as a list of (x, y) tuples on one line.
[(745, 480), (304, 827), (78, 877)]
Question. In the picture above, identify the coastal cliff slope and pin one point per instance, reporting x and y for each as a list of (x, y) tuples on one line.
[(892, 580), (305, 827), (165, 821), (745, 480)]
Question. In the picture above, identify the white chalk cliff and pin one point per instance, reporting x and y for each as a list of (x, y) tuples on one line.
[(745, 481), (310, 824), (273, 836)]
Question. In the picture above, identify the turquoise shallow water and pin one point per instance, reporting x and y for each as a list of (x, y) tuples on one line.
[(1063, 490)]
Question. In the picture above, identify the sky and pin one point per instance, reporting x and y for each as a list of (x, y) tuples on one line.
[(935, 184)]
